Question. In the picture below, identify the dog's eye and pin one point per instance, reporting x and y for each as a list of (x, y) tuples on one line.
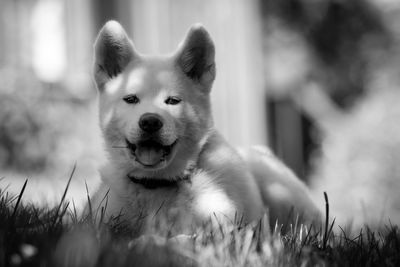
[(131, 99), (173, 100)]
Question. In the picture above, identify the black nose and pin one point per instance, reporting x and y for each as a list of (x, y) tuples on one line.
[(150, 122)]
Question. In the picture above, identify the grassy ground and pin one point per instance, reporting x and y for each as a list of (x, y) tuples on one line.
[(30, 236)]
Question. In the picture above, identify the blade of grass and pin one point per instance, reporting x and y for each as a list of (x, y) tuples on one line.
[(331, 228), (73, 213), (64, 195), (103, 209), (18, 200), (325, 240), (99, 207), (220, 226), (89, 201)]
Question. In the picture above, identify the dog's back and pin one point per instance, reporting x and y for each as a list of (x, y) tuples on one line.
[(284, 195)]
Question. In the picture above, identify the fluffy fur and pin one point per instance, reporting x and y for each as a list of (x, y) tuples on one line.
[(210, 179)]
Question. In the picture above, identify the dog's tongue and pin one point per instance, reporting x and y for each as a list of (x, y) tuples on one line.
[(149, 155)]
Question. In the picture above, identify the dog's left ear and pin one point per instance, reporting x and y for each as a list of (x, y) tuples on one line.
[(196, 54)]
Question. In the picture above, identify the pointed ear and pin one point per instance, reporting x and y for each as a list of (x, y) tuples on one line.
[(196, 54), (113, 51)]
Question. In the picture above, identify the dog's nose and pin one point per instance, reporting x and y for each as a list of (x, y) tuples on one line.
[(150, 122)]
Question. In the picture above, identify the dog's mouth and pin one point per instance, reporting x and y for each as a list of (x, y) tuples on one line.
[(150, 153)]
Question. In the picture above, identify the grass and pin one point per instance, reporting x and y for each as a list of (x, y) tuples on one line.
[(30, 236)]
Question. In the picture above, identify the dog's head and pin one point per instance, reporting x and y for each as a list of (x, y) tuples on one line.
[(154, 110)]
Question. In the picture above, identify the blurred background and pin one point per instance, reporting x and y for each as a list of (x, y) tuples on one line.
[(316, 80)]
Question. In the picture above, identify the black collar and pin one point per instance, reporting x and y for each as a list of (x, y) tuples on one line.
[(155, 183)]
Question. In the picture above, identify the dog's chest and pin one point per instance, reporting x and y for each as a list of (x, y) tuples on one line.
[(180, 207)]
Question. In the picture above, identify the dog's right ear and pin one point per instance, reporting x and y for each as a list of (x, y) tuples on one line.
[(113, 51)]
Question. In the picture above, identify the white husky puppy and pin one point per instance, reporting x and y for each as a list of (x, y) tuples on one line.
[(166, 159)]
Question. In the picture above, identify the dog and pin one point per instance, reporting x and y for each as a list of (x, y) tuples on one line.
[(166, 161)]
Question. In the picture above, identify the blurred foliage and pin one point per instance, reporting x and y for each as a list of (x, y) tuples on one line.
[(346, 38), (39, 123), (358, 161), (339, 45), (26, 141), (348, 52)]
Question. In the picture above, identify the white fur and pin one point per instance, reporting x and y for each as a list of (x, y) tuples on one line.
[(223, 183)]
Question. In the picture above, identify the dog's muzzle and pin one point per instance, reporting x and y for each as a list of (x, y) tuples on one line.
[(150, 153)]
